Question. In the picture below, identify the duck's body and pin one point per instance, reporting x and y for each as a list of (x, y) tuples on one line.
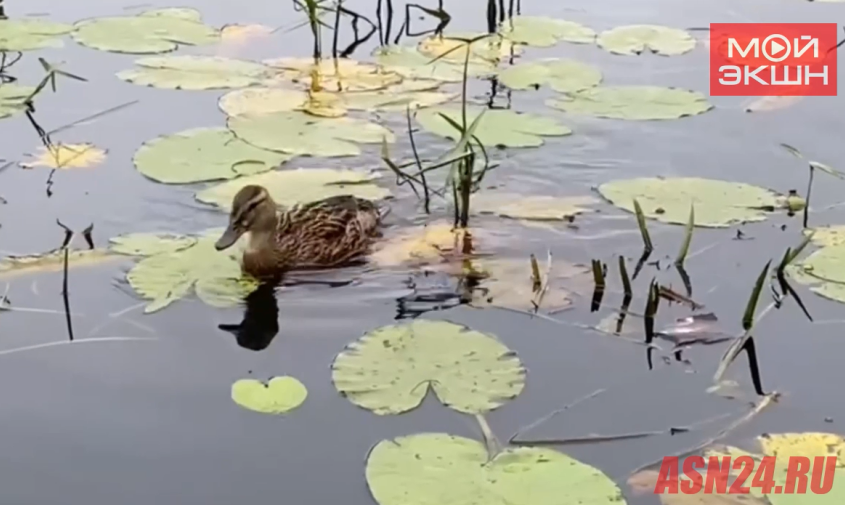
[(322, 234)]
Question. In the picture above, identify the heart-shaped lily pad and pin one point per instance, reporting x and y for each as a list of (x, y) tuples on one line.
[(290, 187), (30, 34), (278, 396), (202, 154), (717, 203), (498, 127), (150, 32), (634, 102), (545, 32), (635, 39), (195, 72), (565, 76), (391, 369), (437, 468), (334, 75), (410, 63), (150, 244), (300, 133)]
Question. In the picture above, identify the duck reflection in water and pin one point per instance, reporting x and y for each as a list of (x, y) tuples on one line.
[(260, 323)]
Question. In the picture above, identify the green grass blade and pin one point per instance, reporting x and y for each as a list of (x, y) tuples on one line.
[(682, 254), (623, 272), (641, 224), (751, 307)]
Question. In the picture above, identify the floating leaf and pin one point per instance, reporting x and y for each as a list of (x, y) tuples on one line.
[(298, 133), (827, 264), (258, 101), (391, 369), (717, 203), (565, 76), (150, 244), (430, 468), (498, 127), (153, 31), (53, 261), (827, 235), (279, 396), (289, 187), (489, 50), (195, 72), (166, 278), (65, 156), (12, 98), (410, 63), (634, 102), (508, 283), (334, 75), (541, 208), (420, 245), (202, 154), (30, 34), (545, 32), (634, 39)]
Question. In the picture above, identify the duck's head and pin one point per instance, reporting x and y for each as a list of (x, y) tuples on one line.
[(252, 210)]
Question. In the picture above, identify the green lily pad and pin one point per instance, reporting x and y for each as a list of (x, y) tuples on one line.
[(195, 72), (52, 262), (498, 127), (299, 133), (410, 63), (258, 101), (827, 235), (635, 39), (565, 76), (279, 396), (717, 203), (12, 99), (634, 102), (30, 34), (436, 468), (202, 154), (150, 32), (489, 50), (167, 277), (290, 187), (826, 264), (391, 369), (545, 32), (537, 207), (150, 244)]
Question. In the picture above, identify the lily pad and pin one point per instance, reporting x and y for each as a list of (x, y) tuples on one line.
[(299, 133), (195, 72), (634, 102), (150, 244), (717, 203), (51, 262), (150, 32), (545, 32), (30, 34), (289, 187), (498, 127), (489, 50), (431, 468), (333, 75), (427, 244), (508, 283), (827, 235), (634, 39), (537, 207), (826, 264), (202, 154), (391, 369), (67, 156), (783, 446), (279, 396), (165, 278), (12, 98), (564, 76), (410, 63)]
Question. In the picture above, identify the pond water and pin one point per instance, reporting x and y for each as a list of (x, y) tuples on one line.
[(143, 421)]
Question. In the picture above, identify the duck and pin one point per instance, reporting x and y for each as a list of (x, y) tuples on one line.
[(327, 233)]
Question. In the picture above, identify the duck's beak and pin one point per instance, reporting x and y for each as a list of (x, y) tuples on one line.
[(229, 237)]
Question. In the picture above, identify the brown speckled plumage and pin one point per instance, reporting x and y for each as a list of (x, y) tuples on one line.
[(322, 234)]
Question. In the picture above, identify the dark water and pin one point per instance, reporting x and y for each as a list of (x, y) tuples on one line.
[(137, 422)]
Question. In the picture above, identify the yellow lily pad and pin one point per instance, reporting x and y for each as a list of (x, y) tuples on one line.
[(491, 49), (278, 396), (67, 156), (831, 235), (30, 34), (539, 208), (150, 244), (51, 262), (408, 62), (289, 187), (425, 244), (334, 75)]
